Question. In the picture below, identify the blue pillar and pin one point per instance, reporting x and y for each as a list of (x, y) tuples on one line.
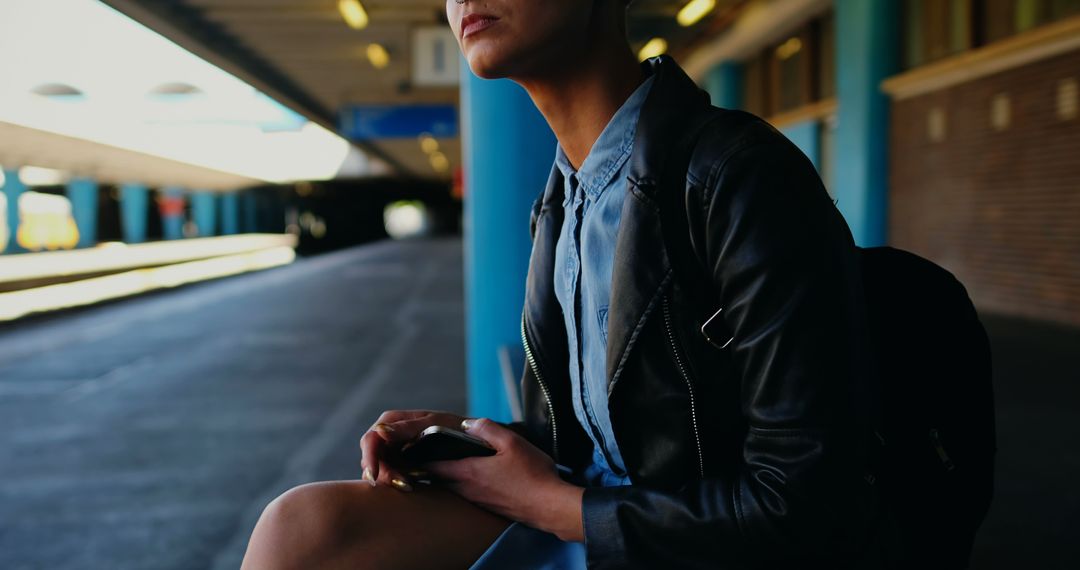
[(83, 193), (13, 188), (724, 82), (172, 212), (505, 139), (134, 199), (230, 214), (248, 203), (204, 212), (867, 45), (806, 136)]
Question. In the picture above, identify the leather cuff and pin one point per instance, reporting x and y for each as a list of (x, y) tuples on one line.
[(604, 545)]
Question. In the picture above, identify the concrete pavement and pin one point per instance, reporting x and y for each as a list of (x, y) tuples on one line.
[(149, 433)]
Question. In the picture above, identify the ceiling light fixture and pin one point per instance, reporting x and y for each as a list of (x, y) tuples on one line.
[(788, 48), (377, 55), (230, 135), (40, 176), (439, 161), (428, 143), (693, 11), (353, 12), (653, 48), (59, 90)]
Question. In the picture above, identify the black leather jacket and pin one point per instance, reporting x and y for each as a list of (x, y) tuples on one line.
[(749, 456)]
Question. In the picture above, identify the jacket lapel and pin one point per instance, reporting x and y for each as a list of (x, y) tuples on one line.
[(641, 267), (543, 317), (639, 272)]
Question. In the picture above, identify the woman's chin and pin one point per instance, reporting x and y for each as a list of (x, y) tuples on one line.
[(487, 65), (487, 72)]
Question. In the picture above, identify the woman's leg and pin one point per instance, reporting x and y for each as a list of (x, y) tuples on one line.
[(350, 524)]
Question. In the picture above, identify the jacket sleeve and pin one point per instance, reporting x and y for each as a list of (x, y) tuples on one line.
[(784, 267), (521, 427)]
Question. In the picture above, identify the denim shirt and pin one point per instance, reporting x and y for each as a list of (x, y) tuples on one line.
[(584, 253)]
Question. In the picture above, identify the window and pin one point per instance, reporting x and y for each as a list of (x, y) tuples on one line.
[(791, 61), (1000, 19), (826, 58), (997, 20), (796, 71), (936, 29), (756, 86), (826, 155), (789, 82)]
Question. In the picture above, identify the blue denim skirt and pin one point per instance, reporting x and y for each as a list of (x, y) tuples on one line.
[(522, 546)]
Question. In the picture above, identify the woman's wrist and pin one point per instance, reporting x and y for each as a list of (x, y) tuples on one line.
[(559, 511)]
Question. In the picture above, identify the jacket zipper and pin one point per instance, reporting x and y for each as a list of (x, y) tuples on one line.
[(543, 386), (935, 438), (689, 385)]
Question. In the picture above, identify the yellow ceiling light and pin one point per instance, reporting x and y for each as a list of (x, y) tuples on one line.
[(653, 48), (354, 13), (377, 55), (694, 11), (439, 161), (789, 48), (428, 143)]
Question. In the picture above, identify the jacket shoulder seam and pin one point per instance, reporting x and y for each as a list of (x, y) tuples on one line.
[(718, 168), (724, 135)]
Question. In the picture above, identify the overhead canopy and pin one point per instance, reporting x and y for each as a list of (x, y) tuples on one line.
[(107, 164), (88, 91), (302, 53)]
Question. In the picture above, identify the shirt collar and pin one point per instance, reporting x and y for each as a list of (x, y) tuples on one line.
[(611, 148)]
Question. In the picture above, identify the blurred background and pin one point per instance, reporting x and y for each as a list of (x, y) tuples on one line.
[(235, 231)]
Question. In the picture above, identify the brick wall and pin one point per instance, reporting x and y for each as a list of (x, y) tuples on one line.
[(999, 207)]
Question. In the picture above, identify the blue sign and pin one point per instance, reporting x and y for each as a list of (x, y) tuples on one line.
[(367, 122)]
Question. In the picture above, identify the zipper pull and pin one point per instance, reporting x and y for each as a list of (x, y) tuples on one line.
[(936, 438)]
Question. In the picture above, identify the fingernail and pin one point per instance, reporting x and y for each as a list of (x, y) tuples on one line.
[(401, 484), (367, 476), (417, 474), (385, 428), (467, 424)]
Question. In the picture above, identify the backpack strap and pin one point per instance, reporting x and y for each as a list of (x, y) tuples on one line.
[(696, 279), (687, 266)]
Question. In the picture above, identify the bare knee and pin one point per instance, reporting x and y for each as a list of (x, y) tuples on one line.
[(306, 526)]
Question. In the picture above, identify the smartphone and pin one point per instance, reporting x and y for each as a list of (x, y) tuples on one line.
[(438, 443)]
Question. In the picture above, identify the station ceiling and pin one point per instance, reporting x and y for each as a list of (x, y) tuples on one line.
[(302, 53)]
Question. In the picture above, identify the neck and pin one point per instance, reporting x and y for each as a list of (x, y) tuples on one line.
[(578, 100)]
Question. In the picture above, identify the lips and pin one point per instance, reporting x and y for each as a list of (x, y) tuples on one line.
[(473, 23)]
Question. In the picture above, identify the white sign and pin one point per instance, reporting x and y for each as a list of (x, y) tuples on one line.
[(435, 57)]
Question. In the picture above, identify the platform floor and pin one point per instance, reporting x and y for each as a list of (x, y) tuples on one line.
[(149, 433)]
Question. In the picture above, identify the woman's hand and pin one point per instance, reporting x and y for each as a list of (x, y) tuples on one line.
[(519, 482), (393, 429)]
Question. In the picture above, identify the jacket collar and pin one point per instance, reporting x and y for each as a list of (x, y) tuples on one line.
[(668, 105), (610, 150), (641, 267)]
